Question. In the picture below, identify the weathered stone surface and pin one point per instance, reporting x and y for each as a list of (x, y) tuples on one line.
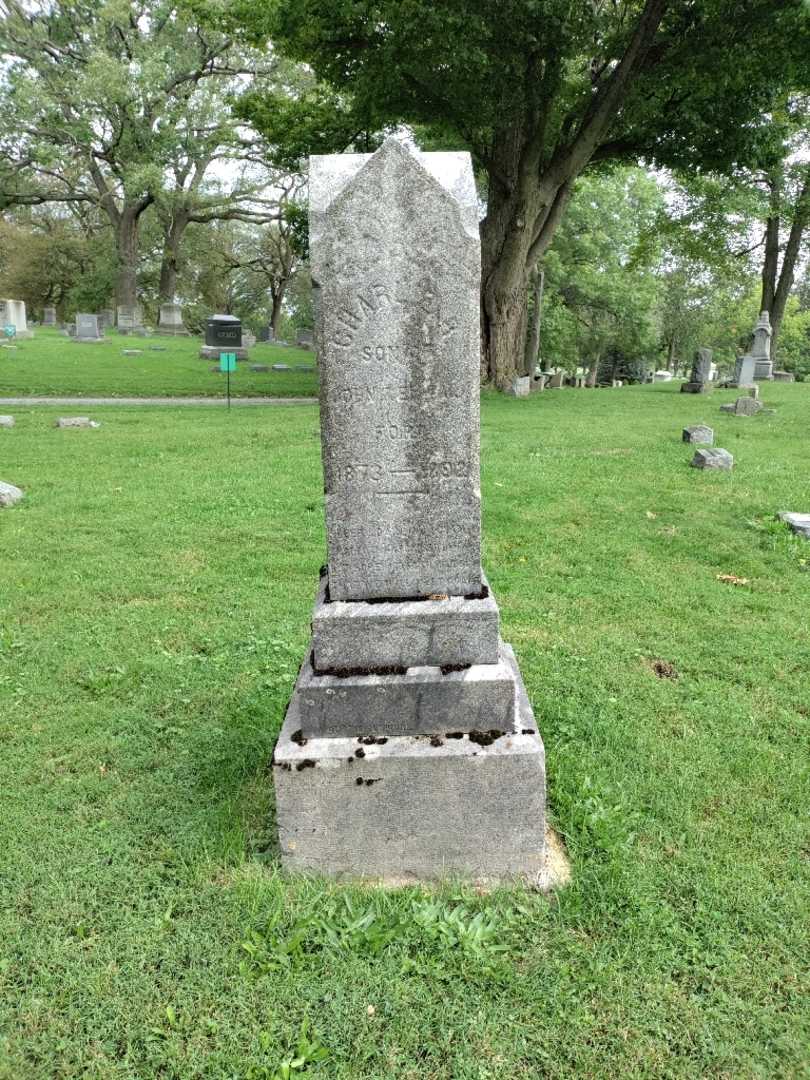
[(700, 377), (170, 321), (556, 380), (799, 523), (9, 495), (423, 700), (12, 313), (76, 422), (211, 352), (698, 433), (414, 808), (130, 318), (521, 387), (7, 421), (784, 376), (396, 263), (403, 634), (743, 406), (87, 328), (744, 371), (281, 367), (712, 459)]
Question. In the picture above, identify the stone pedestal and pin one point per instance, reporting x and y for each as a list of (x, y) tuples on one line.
[(12, 313), (170, 322), (130, 319), (88, 329), (409, 751)]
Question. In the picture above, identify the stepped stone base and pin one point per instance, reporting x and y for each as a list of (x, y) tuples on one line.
[(417, 701), (347, 635), (415, 808)]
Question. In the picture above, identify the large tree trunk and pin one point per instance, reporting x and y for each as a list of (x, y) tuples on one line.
[(173, 231), (276, 300), (126, 236), (801, 214)]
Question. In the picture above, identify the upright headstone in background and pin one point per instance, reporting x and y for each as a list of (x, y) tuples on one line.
[(700, 379), (171, 321), (266, 334), (409, 750), (744, 372), (87, 328), (761, 347), (107, 318), (130, 319), (49, 316), (12, 313), (304, 338)]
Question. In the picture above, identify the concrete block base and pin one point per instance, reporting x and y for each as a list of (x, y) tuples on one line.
[(414, 808), (351, 635), (210, 352)]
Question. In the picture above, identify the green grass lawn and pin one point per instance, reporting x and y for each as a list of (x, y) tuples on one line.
[(155, 591), (51, 364)]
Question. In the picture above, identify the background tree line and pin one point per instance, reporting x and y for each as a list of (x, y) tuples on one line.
[(161, 148)]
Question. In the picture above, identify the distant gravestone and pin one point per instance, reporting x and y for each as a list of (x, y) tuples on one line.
[(712, 459), (130, 318), (304, 338), (698, 433), (248, 339), (799, 523), (49, 316), (259, 367), (7, 421), (743, 406), (9, 495), (662, 376), (107, 318), (701, 377), (761, 347), (12, 313), (281, 367), (170, 321), (784, 376), (266, 334), (76, 422), (223, 333), (555, 381), (520, 387), (87, 328), (744, 372)]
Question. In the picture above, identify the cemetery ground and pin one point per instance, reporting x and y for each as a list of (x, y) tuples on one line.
[(156, 587), (51, 364)]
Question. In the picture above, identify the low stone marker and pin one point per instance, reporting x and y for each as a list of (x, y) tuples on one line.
[(131, 352), (784, 376), (409, 751), (7, 421), (9, 495), (712, 459), (521, 387), (799, 523), (698, 433), (743, 406), (76, 422), (157, 348), (259, 367), (281, 367)]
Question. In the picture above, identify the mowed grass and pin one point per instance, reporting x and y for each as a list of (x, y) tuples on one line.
[(54, 365), (155, 592)]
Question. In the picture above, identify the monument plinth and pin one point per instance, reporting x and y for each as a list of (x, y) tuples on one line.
[(409, 750)]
